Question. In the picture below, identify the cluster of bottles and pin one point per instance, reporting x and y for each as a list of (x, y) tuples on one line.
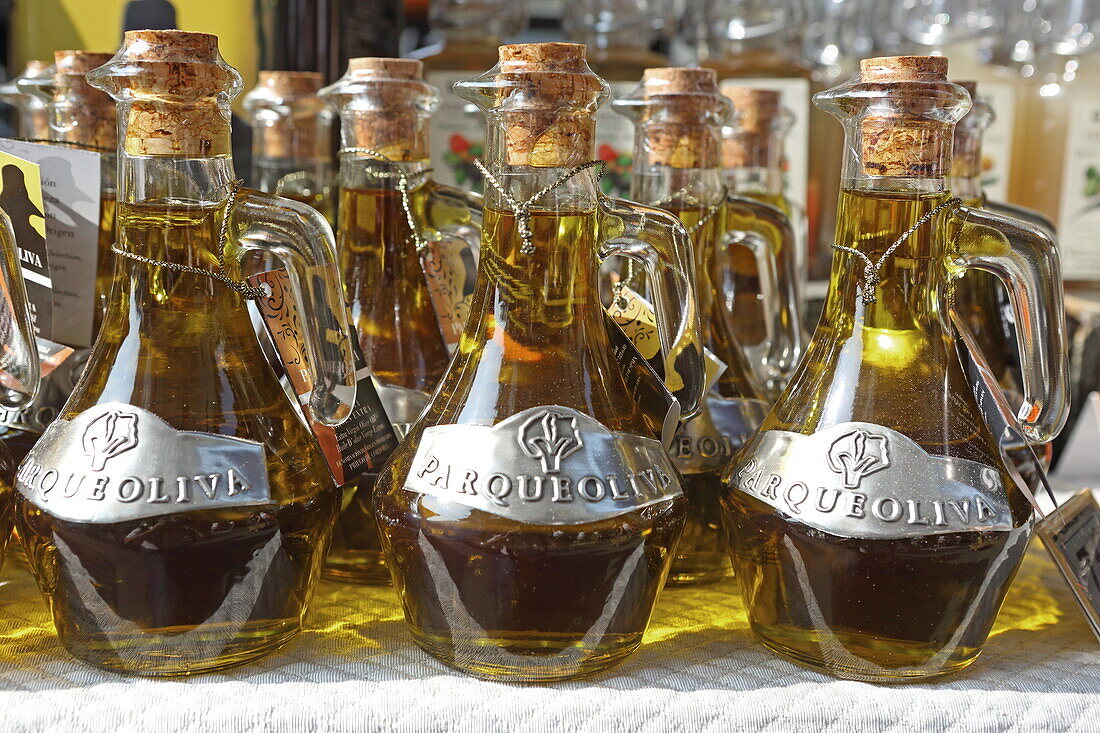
[(178, 513)]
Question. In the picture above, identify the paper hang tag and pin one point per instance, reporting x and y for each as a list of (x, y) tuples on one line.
[(450, 269), (1071, 535), (361, 443), (71, 191), (638, 320), (646, 388), (21, 200)]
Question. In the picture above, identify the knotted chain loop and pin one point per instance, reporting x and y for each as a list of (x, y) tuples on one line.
[(244, 289), (523, 210), (871, 269), (404, 186)]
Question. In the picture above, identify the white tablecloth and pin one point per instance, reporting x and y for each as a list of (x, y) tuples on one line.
[(700, 670)]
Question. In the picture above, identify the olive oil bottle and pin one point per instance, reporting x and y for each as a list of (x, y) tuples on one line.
[(385, 191), (292, 138), (177, 513), (876, 525), (530, 515), (678, 113)]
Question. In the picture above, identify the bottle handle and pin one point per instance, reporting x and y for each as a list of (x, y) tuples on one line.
[(19, 355), (783, 322), (1019, 212), (661, 244), (445, 199), (1025, 259), (301, 239)]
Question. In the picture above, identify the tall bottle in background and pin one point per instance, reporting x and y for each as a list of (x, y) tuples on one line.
[(756, 43), (472, 30), (679, 113), (619, 35), (292, 138), (32, 121), (85, 117), (752, 162), (385, 106)]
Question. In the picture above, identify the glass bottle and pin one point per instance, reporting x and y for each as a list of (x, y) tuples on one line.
[(177, 513), (619, 35), (755, 43), (530, 514), (385, 107), (753, 161), (84, 117), (292, 138), (32, 122), (472, 30), (876, 524), (678, 113)]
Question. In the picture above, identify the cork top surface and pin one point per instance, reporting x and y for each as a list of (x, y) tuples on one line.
[(385, 67), (79, 62), (556, 56), (903, 68), (170, 46), (291, 83), (180, 64), (679, 80)]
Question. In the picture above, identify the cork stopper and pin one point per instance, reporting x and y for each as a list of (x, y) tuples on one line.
[(754, 140), (679, 114), (385, 104), (178, 89), (83, 114), (546, 100), (903, 137), (966, 150), (289, 120)]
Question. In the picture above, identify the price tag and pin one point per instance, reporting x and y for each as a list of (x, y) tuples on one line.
[(450, 268), (365, 440)]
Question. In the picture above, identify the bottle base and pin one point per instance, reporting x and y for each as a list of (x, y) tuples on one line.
[(157, 652), (532, 659), (862, 658), (361, 567)]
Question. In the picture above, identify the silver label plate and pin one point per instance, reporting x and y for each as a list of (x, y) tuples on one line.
[(402, 406), (115, 462), (708, 441), (863, 480), (544, 465)]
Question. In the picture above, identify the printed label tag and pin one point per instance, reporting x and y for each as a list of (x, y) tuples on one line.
[(1079, 215), (544, 465), (863, 480), (21, 200), (450, 268), (615, 142), (116, 462), (362, 442), (71, 190), (1071, 535), (456, 133)]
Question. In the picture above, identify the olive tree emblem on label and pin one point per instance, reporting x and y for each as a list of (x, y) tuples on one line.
[(116, 462), (867, 481), (544, 465)]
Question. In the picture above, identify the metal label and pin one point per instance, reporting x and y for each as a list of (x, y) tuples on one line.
[(862, 480), (544, 465), (402, 406), (708, 441), (116, 462)]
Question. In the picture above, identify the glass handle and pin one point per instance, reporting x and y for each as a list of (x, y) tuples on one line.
[(1019, 212), (19, 349), (300, 238), (1025, 258), (784, 323), (661, 244)]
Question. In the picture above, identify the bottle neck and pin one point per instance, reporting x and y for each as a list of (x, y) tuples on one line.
[(753, 161)]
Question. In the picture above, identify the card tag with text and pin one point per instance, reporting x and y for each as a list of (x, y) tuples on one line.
[(1071, 534), (21, 199), (450, 268), (365, 440)]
